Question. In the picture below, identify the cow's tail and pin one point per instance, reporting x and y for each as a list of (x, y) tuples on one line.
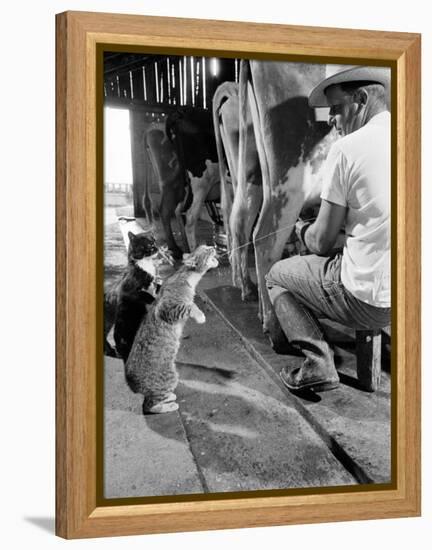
[(224, 92), (243, 112), (239, 238)]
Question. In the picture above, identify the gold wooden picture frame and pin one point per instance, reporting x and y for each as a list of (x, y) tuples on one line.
[(81, 38)]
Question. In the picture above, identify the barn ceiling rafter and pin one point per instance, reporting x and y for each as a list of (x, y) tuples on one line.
[(165, 80)]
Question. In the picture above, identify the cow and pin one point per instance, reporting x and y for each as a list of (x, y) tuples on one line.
[(291, 147), (204, 188), (172, 188), (239, 212), (184, 159), (191, 132)]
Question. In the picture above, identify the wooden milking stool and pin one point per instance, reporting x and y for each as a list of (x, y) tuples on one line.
[(368, 352)]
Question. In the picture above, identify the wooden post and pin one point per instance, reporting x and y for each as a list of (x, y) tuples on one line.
[(226, 70), (198, 83), (181, 86), (368, 352), (186, 82), (175, 79), (139, 159), (111, 88), (205, 100), (138, 84), (170, 96), (124, 84), (192, 75), (164, 82), (151, 83)]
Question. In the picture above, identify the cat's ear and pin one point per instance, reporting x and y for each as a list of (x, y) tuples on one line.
[(131, 236)]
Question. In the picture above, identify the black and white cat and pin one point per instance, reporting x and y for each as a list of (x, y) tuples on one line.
[(126, 301)]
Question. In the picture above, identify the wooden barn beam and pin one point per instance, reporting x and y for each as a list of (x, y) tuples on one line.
[(138, 84), (124, 85)]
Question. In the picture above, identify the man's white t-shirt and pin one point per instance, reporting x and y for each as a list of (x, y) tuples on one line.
[(357, 175)]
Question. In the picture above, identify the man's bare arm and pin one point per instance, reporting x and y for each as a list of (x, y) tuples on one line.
[(321, 236)]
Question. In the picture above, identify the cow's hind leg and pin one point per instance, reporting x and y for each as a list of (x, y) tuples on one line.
[(167, 209), (270, 236), (265, 243), (200, 190), (245, 210), (180, 217), (242, 220), (148, 205)]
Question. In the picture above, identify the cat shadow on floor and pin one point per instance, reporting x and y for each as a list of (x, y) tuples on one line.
[(226, 374), (167, 424)]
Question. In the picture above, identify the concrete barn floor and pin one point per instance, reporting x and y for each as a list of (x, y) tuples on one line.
[(238, 428)]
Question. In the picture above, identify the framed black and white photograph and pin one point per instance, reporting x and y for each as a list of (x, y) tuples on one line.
[(233, 305)]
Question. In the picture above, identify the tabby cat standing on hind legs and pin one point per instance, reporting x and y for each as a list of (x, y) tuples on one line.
[(126, 301), (150, 369)]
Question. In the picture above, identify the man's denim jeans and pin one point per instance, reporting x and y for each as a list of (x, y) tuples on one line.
[(312, 288)]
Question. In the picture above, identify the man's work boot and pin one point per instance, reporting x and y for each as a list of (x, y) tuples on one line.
[(318, 372), (279, 341), (309, 377)]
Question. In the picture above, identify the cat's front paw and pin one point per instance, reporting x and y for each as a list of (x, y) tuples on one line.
[(199, 317)]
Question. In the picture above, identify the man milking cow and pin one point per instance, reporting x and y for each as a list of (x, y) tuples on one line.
[(351, 287)]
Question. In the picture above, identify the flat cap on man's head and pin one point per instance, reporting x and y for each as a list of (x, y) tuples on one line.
[(377, 75)]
